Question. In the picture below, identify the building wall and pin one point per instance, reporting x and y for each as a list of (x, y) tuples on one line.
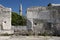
[(20, 29), (49, 15), (37, 12), (35, 16), (5, 19)]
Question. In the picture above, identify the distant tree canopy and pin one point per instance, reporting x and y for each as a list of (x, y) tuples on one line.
[(49, 4), (18, 20)]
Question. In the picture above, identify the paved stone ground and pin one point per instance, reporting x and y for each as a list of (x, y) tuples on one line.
[(29, 38)]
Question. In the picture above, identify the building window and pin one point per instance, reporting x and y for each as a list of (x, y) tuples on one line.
[(35, 23), (4, 21)]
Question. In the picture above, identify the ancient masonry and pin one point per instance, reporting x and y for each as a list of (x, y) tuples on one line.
[(5, 20), (44, 19)]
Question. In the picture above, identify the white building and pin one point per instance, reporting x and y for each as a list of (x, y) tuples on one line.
[(5, 20), (40, 19), (20, 9)]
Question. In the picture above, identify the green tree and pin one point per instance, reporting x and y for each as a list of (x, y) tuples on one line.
[(49, 4), (18, 20)]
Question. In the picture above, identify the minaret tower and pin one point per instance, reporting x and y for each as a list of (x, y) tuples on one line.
[(20, 9)]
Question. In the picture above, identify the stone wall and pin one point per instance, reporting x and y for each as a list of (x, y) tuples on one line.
[(20, 29), (5, 20)]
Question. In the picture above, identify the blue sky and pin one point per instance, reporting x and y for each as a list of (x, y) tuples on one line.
[(14, 4)]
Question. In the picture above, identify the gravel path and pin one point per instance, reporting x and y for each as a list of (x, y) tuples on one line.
[(28, 38)]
